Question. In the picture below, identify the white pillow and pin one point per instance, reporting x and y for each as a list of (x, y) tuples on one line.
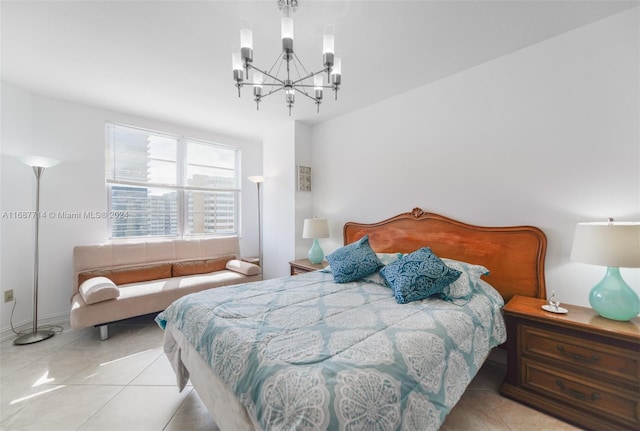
[(98, 289), (243, 267), (387, 258), (459, 292)]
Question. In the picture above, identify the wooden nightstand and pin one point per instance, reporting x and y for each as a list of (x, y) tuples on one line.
[(304, 265), (577, 366)]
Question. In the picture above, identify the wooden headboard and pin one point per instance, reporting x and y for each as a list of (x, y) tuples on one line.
[(514, 255)]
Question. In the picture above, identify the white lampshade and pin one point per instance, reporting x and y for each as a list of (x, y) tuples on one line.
[(38, 161), (612, 244), (236, 61), (286, 22), (246, 38), (315, 228), (256, 179), (258, 78), (328, 42)]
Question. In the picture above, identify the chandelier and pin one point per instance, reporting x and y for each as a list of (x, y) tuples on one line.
[(287, 74)]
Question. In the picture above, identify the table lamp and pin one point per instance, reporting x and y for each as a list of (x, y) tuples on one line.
[(315, 228), (614, 245)]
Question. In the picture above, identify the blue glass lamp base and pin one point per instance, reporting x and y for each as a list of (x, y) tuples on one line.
[(316, 255), (613, 298)]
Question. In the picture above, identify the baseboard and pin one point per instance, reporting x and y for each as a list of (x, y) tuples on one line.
[(58, 319)]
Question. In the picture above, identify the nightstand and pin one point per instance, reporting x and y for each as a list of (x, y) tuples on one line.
[(304, 265), (577, 366)]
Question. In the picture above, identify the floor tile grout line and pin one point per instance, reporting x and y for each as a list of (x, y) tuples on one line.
[(102, 406), (186, 396)]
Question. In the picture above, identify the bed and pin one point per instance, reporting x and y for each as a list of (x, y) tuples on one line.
[(307, 353)]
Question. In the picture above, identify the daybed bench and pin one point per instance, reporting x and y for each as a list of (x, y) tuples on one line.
[(118, 281)]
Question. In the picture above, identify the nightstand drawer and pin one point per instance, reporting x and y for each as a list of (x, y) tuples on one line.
[(297, 271), (621, 365), (614, 404), (303, 266)]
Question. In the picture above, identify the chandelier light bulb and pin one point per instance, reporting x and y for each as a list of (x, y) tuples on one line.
[(246, 45), (328, 46), (318, 83), (287, 28), (258, 78), (291, 95), (328, 40), (336, 71), (238, 72), (246, 38)]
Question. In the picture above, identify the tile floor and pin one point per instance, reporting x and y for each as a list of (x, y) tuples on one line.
[(74, 381)]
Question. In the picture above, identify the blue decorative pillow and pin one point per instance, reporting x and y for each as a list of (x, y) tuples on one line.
[(353, 261), (418, 275)]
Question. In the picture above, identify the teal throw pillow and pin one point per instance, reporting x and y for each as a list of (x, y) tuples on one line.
[(353, 261), (418, 275)]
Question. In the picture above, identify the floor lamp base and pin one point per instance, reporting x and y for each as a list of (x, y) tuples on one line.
[(33, 337)]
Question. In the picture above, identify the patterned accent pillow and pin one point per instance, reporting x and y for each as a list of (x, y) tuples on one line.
[(418, 275), (353, 261), (460, 291)]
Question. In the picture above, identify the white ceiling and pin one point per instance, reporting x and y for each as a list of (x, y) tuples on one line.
[(171, 60)]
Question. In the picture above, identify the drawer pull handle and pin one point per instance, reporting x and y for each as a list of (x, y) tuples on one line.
[(593, 359), (577, 394)]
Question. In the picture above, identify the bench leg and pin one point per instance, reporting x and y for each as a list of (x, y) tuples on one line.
[(104, 332)]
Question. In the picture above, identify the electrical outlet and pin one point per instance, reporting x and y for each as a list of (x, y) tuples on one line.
[(8, 295)]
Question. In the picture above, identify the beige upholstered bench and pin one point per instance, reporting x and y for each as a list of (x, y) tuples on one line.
[(118, 281)]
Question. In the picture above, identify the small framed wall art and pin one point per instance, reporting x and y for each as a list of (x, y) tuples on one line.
[(304, 178)]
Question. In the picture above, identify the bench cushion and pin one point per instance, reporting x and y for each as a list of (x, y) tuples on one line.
[(204, 266), (135, 274), (98, 289)]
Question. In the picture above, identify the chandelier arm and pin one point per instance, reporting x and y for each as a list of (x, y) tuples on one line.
[(311, 75), (275, 78), (310, 97), (328, 87), (272, 91), (297, 60), (280, 59)]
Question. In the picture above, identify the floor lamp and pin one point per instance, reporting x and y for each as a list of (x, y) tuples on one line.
[(259, 180), (38, 164)]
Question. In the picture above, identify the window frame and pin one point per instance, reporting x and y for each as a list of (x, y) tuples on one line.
[(181, 187)]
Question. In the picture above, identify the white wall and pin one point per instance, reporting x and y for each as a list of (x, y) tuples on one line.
[(74, 134), (279, 200), (547, 136), (304, 201)]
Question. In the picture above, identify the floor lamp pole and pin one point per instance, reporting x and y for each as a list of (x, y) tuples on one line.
[(260, 233), (259, 179), (35, 335)]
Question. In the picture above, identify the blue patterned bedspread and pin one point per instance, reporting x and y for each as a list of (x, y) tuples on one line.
[(305, 353)]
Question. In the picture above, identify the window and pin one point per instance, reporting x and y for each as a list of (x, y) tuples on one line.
[(166, 185)]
